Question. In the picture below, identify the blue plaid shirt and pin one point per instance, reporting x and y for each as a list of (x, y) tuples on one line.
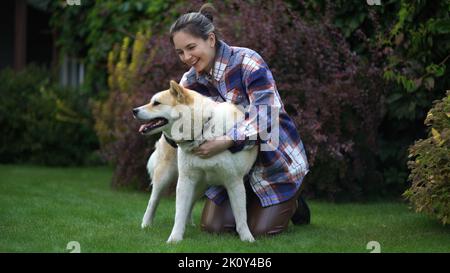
[(241, 76)]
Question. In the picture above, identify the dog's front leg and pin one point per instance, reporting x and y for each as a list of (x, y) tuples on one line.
[(155, 196), (149, 214), (236, 193), (183, 204)]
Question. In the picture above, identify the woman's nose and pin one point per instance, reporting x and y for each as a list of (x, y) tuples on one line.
[(187, 57)]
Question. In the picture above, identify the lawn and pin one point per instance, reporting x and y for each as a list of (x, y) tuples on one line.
[(42, 209)]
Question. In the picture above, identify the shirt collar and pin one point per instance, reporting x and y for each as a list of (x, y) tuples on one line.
[(222, 58)]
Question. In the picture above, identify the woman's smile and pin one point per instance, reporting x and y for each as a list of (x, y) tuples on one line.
[(194, 62), (197, 64)]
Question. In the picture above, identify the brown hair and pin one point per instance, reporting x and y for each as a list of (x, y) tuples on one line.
[(198, 24)]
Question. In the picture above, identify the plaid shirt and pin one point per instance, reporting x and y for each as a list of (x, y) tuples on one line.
[(241, 76)]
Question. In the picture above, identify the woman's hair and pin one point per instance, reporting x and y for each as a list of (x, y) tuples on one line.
[(198, 24)]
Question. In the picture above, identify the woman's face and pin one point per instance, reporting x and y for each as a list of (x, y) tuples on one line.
[(194, 51)]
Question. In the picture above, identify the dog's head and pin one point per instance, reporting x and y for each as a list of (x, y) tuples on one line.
[(158, 115)]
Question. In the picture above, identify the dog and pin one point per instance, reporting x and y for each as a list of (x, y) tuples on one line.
[(173, 112)]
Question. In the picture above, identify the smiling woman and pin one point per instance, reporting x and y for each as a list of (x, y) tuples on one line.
[(198, 53), (196, 43)]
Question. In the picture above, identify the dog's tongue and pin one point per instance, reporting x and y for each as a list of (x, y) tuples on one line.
[(143, 127), (153, 123)]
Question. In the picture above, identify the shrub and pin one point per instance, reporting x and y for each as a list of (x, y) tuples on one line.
[(417, 72), (43, 123), (430, 165), (334, 97)]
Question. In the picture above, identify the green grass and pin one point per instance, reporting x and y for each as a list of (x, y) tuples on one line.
[(42, 209)]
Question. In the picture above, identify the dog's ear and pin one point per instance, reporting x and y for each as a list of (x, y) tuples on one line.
[(177, 91)]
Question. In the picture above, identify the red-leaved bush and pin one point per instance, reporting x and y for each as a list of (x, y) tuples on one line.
[(334, 96)]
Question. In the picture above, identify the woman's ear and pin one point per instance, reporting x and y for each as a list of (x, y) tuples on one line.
[(212, 39)]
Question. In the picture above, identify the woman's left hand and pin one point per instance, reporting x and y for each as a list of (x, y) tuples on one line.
[(213, 147)]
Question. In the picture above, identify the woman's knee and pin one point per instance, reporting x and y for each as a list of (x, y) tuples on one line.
[(270, 220), (217, 218), (261, 221)]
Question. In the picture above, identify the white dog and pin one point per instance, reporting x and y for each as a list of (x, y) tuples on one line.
[(187, 118)]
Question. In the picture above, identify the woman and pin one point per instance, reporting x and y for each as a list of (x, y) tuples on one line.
[(240, 75)]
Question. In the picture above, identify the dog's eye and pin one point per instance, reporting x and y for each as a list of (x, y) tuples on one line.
[(156, 103)]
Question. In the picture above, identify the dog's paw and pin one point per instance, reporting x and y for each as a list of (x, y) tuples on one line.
[(145, 225), (147, 220), (173, 239), (247, 238)]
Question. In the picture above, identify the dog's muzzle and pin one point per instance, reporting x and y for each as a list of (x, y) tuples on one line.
[(151, 124)]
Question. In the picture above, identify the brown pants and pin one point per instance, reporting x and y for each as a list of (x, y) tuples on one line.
[(261, 221)]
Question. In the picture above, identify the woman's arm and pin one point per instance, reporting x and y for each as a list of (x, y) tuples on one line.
[(261, 124)]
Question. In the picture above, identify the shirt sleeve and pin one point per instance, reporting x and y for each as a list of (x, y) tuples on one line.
[(184, 80), (264, 106)]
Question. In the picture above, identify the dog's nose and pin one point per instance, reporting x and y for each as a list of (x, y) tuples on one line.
[(135, 111)]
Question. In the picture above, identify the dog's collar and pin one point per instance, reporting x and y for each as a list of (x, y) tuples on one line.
[(170, 141), (175, 144)]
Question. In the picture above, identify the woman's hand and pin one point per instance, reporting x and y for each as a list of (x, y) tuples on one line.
[(213, 147)]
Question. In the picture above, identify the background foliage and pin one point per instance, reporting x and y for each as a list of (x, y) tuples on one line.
[(43, 123), (430, 165), (414, 36), (419, 41)]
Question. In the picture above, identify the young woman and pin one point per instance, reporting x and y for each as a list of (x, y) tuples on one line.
[(240, 75)]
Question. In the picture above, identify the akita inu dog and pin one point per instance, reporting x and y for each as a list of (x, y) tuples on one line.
[(189, 118)]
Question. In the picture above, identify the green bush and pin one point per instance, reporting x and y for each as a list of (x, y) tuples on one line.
[(430, 165), (43, 123), (417, 71)]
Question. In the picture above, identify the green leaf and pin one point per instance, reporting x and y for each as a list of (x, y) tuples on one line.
[(429, 83), (440, 26), (440, 71), (388, 75)]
